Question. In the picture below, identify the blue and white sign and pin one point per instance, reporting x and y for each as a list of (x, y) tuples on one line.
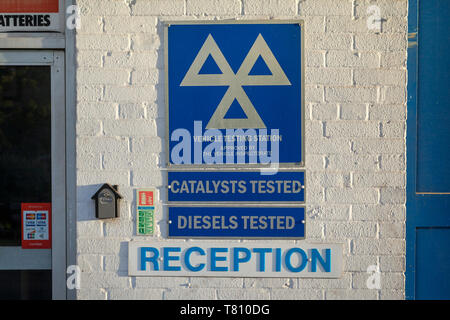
[(278, 260), (237, 222), (236, 186), (234, 93)]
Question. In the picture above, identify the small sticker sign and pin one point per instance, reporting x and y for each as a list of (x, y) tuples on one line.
[(145, 220), (145, 211), (145, 197), (36, 225)]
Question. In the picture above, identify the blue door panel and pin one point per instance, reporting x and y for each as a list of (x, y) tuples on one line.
[(428, 151), (432, 263), (431, 210), (433, 94)]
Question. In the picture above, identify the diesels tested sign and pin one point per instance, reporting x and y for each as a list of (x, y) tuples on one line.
[(234, 93), (237, 222)]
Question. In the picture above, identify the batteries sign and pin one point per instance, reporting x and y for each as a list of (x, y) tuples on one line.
[(26, 15)]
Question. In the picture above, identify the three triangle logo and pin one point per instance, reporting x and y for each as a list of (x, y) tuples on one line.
[(195, 76)]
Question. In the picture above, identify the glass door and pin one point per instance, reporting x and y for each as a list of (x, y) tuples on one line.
[(31, 163)]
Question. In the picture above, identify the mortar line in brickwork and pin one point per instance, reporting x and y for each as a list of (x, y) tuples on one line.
[(102, 98), (102, 20), (103, 229), (129, 77), (379, 162), (102, 162), (130, 178), (102, 262), (351, 179), (353, 9), (377, 231), (116, 111), (326, 161)]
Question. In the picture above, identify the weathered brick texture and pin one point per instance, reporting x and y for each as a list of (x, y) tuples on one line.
[(355, 98)]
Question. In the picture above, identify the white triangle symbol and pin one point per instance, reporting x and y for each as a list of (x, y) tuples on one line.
[(235, 82)]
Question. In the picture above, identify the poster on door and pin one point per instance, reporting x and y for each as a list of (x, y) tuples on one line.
[(36, 225)]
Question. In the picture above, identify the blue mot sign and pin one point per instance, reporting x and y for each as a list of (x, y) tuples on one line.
[(234, 93)]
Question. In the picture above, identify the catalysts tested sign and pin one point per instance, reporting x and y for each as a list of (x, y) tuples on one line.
[(236, 186)]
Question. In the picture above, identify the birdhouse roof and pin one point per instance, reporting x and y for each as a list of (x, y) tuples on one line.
[(110, 187)]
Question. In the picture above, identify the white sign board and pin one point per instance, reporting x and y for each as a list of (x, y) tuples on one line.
[(271, 260)]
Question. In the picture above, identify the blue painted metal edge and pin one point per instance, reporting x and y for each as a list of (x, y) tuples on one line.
[(411, 146)]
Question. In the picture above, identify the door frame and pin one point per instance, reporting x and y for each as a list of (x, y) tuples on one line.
[(54, 59), (415, 201), (411, 146)]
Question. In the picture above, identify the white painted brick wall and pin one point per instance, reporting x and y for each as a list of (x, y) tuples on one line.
[(355, 141)]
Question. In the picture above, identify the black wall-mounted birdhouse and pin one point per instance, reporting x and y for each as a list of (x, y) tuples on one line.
[(107, 202)]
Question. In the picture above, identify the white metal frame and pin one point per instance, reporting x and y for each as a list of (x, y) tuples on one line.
[(54, 258)]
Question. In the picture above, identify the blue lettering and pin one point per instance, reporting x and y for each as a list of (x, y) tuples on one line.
[(278, 259), (215, 258), (187, 262), (153, 259), (304, 259), (167, 258), (237, 260), (262, 257), (315, 256)]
